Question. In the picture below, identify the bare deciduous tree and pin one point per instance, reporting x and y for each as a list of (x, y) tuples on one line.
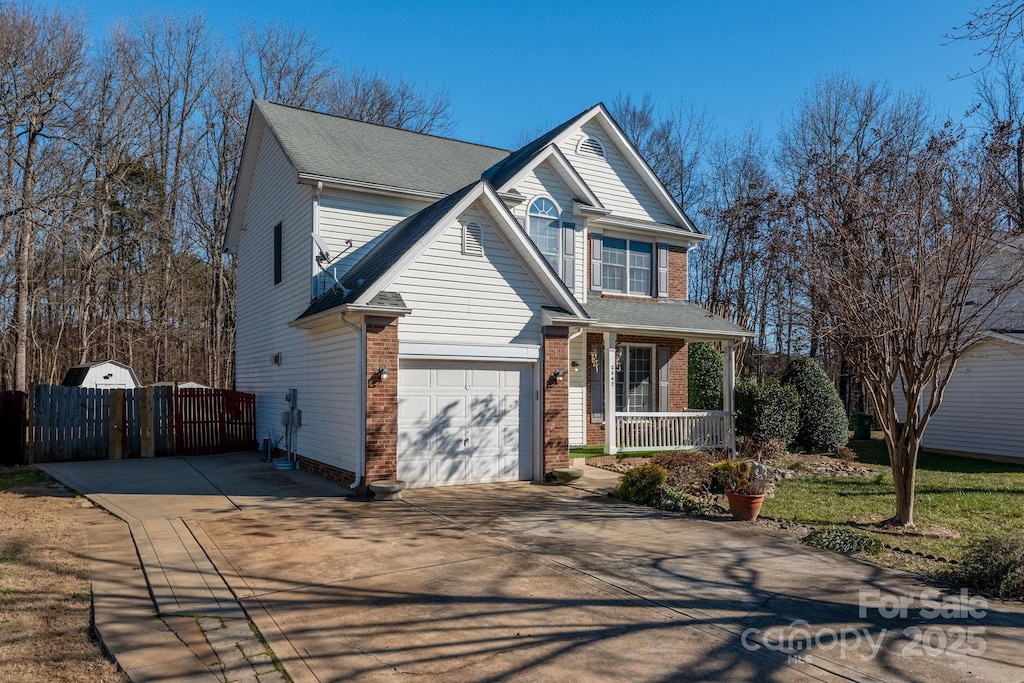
[(898, 232)]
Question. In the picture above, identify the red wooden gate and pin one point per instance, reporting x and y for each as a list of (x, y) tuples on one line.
[(213, 421)]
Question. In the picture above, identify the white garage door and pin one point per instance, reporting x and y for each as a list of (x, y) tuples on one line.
[(464, 423)]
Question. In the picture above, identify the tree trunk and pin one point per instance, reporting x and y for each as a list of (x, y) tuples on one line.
[(904, 475), (23, 265)]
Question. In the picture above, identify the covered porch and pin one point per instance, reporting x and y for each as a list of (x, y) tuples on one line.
[(643, 403)]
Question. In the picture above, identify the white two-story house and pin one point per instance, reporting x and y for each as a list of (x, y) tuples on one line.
[(451, 313)]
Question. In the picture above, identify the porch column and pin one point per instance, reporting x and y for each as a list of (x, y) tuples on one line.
[(610, 447), (729, 390)]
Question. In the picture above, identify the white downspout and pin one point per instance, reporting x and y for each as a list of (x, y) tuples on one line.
[(360, 331)]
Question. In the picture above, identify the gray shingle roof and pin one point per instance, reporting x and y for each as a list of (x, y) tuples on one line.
[(345, 149), (507, 168), (675, 315), (385, 253)]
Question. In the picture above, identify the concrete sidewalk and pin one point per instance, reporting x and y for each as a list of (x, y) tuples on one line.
[(526, 582)]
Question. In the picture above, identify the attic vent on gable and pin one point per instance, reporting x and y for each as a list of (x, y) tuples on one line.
[(472, 240), (590, 145)]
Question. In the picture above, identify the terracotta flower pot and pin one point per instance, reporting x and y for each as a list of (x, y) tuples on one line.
[(743, 507)]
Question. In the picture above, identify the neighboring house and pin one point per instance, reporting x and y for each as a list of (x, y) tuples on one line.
[(462, 325), (983, 404), (101, 374)]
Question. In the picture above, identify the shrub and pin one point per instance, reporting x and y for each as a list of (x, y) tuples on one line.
[(674, 499), (704, 376), (847, 454), (767, 411), (823, 423), (995, 565), (686, 469), (842, 540), (642, 484), (740, 476)]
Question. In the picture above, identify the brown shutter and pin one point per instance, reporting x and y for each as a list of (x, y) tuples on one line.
[(662, 277), (596, 251), (569, 255), (597, 389)]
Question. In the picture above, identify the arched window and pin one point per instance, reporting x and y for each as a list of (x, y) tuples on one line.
[(544, 229)]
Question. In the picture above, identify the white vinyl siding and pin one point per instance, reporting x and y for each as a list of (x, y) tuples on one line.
[(360, 218), (544, 182), (328, 397), (612, 179), (470, 299), (983, 408), (311, 361), (577, 391)]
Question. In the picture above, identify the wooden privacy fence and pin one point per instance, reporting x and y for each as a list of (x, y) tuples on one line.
[(73, 423)]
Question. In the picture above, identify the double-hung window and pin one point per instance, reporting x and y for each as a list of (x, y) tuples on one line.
[(626, 266), (544, 229)]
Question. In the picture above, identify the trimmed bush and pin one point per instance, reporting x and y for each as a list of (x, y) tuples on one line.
[(823, 422), (688, 470), (704, 376), (673, 499), (767, 411), (842, 540), (642, 484), (995, 565)]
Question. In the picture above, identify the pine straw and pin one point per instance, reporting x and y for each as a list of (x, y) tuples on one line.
[(45, 599)]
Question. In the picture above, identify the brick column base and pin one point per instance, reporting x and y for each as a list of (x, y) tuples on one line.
[(381, 400), (555, 423)]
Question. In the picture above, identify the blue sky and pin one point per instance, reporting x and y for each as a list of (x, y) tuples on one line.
[(518, 67)]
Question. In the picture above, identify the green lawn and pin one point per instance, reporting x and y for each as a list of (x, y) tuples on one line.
[(597, 451), (974, 497)]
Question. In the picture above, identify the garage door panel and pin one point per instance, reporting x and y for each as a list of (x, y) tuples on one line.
[(472, 422), (415, 409)]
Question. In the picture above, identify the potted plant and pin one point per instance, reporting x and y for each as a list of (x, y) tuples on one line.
[(745, 484)]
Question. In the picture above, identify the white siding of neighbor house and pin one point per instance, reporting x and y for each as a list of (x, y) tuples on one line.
[(361, 218), (577, 391), (612, 179), (544, 181), (488, 299), (265, 309), (983, 408)]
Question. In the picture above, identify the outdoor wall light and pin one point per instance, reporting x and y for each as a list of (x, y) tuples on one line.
[(382, 373), (575, 366), (559, 375)]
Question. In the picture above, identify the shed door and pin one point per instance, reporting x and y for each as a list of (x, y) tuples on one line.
[(464, 422)]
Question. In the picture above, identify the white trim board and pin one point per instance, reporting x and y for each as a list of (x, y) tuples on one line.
[(513, 353)]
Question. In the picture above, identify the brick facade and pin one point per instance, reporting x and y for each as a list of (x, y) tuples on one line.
[(381, 400), (678, 363), (677, 272), (328, 472), (555, 423)]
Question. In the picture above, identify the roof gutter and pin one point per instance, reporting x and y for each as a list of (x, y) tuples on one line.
[(649, 227), (702, 335), (370, 188), (338, 312)]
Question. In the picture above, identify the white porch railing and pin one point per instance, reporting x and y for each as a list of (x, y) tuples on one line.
[(670, 431)]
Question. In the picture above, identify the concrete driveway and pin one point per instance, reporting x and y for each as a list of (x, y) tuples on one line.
[(527, 582)]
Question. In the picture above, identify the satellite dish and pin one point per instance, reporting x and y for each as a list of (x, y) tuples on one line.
[(325, 254)]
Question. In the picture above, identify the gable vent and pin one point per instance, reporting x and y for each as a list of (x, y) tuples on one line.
[(472, 240), (591, 146)]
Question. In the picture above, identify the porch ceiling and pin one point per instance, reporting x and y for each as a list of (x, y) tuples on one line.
[(674, 317)]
